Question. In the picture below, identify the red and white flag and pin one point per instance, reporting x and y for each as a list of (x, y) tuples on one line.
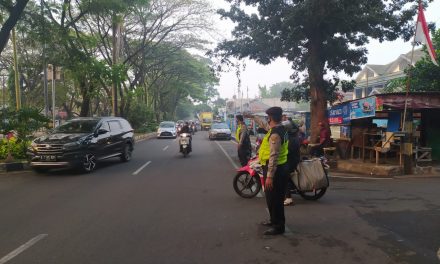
[(422, 35)]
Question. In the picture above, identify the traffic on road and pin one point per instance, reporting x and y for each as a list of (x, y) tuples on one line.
[(163, 208)]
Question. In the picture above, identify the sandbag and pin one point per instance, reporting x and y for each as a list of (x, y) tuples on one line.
[(310, 175)]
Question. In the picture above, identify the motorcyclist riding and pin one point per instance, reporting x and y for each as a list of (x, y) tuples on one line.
[(186, 129)]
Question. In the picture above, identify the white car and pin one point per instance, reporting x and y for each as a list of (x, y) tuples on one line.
[(167, 129), (219, 130)]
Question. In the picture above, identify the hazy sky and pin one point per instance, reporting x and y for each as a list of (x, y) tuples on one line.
[(279, 70)]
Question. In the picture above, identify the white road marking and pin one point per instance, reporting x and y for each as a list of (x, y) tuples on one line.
[(227, 156), (140, 169), (165, 148), (22, 248)]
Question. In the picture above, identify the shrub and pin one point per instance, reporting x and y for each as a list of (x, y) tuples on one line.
[(15, 146)]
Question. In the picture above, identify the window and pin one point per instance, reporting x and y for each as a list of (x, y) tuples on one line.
[(104, 125), (77, 126), (115, 125)]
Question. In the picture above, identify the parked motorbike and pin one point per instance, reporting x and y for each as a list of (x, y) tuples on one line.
[(185, 144), (249, 181)]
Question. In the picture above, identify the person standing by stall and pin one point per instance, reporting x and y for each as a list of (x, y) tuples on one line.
[(244, 147), (324, 140)]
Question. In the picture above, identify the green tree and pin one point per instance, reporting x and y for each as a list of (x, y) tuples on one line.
[(263, 92), (318, 37), (425, 75), (277, 89)]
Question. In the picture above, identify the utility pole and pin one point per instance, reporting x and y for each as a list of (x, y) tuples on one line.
[(53, 96), (45, 92)]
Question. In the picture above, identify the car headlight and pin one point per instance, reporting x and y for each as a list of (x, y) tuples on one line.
[(72, 145), (33, 146)]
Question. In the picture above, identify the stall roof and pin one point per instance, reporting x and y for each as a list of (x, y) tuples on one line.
[(416, 100)]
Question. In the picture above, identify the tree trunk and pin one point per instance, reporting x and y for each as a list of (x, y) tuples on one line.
[(318, 100), (115, 56), (85, 106), (9, 24)]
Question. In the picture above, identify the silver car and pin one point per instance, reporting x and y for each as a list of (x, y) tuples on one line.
[(220, 131), (167, 129)]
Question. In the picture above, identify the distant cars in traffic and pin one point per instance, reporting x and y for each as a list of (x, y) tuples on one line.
[(167, 129), (81, 143), (220, 131)]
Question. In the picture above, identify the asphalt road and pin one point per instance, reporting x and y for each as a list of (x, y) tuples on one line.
[(163, 208)]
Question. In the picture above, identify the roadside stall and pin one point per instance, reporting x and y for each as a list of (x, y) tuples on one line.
[(371, 127)]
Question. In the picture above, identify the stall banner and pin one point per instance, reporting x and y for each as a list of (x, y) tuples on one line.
[(363, 108), (339, 114)]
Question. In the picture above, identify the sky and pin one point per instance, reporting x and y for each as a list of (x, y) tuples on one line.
[(280, 70)]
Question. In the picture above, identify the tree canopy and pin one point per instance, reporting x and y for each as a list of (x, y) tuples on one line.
[(425, 75), (319, 37), (138, 48)]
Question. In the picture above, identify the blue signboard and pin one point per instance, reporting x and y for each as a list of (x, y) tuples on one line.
[(362, 108), (339, 114)]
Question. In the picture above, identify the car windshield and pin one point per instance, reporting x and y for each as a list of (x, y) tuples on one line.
[(167, 125), (220, 126), (77, 126)]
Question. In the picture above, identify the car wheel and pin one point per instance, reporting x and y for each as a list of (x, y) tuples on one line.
[(89, 162), (126, 154)]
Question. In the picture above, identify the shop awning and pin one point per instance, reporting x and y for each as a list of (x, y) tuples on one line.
[(422, 100)]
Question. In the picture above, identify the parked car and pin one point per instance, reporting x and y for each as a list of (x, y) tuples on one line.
[(220, 130), (81, 143), (167, 129)]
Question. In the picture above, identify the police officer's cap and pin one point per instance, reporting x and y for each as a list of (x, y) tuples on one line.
[(274, 111)]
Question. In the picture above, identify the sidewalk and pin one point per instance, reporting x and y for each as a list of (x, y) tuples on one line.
[(367, 169)]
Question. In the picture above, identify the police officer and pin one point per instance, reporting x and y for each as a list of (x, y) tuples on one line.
[(273, 156), (244, 147)]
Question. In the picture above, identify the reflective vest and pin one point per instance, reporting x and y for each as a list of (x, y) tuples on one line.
[(264, 152), (237, 133)]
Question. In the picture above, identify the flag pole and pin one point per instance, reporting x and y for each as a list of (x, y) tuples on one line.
[(408, 81), (406, 146)]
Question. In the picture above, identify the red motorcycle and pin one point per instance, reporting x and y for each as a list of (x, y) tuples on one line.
[(249, 181)]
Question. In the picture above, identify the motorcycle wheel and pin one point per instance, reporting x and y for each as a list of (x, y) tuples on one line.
[(245, 185), (185, 153), (313, 195)]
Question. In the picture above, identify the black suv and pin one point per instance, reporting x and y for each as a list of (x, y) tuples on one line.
[(81, 143)]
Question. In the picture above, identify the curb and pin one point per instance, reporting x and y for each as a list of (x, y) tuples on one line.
[(354, 176), (146, 136), (14, 166)]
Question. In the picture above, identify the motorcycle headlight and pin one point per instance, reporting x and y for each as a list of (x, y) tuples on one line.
[(72, 145)]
